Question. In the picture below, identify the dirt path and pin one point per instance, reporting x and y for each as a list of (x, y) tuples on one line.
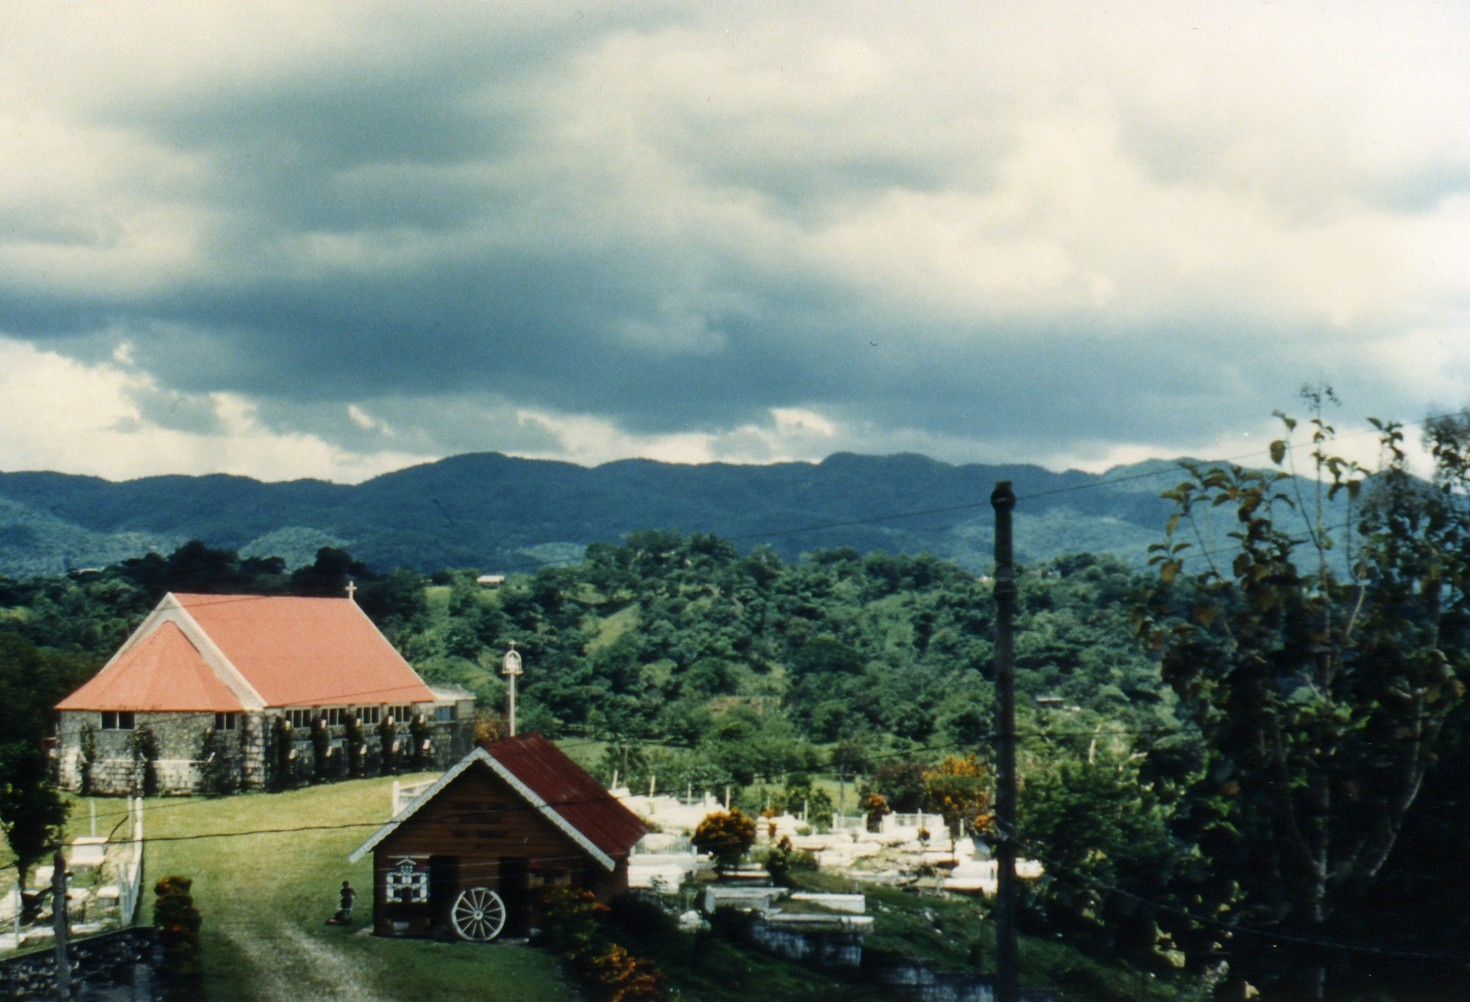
[(280, 956)]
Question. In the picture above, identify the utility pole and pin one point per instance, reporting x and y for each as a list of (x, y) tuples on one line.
[(1007, 959), (511, 669), (60, 923)]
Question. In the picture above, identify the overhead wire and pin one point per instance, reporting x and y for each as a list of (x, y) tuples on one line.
[(1032, 847), (1100, 484)]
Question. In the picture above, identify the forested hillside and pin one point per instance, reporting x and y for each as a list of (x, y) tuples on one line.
[(683, 642), (679, 660), (497, 513), (1247, 761)]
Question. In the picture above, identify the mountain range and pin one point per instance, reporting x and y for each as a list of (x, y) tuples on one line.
[(496, 513)]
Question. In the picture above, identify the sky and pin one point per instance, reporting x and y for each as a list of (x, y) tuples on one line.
[(335, 239)]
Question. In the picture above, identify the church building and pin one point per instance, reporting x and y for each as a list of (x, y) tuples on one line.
[(216, 693)]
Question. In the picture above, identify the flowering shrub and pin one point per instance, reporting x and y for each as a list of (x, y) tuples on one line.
[(959, 789), (572, 924), (177, 922), (725, 836), (875, 806), (615, 974)]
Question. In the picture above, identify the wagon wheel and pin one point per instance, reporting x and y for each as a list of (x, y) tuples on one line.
[(478, 914)]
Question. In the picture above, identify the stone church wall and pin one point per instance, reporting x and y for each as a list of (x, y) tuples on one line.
[(183, 753), (161, 753)]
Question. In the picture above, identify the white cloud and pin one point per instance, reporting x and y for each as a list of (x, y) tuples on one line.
[(664, 231), (62, 415)]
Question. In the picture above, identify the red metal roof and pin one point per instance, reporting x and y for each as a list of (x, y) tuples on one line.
[(203, 652), (163, 671), (306, 651), (567, 789)]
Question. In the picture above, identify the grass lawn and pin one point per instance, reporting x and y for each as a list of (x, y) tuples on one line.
[(950, 932), (265, 898)]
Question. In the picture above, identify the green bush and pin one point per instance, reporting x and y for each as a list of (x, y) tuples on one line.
[(178, 923), (784, 858), (726, 836), (573, 923)]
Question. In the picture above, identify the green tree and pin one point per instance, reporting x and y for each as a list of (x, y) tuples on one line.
[(329, 575), (395, 601), (1319, 683), (32, 812), (901, 784), (959, 789), (1099, 827), (32, 681)]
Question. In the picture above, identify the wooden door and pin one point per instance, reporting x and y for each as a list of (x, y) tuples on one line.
[(515, 891), (443, 888)]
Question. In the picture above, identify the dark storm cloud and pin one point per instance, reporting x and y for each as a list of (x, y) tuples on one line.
[(474, 231)]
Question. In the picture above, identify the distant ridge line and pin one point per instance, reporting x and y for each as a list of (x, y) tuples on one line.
[(492, 511)]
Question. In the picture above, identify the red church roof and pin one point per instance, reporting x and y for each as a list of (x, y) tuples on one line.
[(306, 651), (163, 671), (252, 651)]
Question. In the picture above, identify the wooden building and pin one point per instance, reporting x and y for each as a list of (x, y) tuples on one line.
[(470, 855)]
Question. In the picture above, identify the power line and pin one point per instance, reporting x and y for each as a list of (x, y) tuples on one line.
[(1032, 846)]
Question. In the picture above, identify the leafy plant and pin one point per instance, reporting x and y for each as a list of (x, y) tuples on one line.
[(218, 775), (725, 835), (178, 923), (959, 789), (87, 749), (784, 857), (387, 746), (283, 743), (144, 745), (1319, 683)]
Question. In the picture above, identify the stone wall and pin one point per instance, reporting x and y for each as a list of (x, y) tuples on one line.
[(116, 959), (163, 753), (182, 753)]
